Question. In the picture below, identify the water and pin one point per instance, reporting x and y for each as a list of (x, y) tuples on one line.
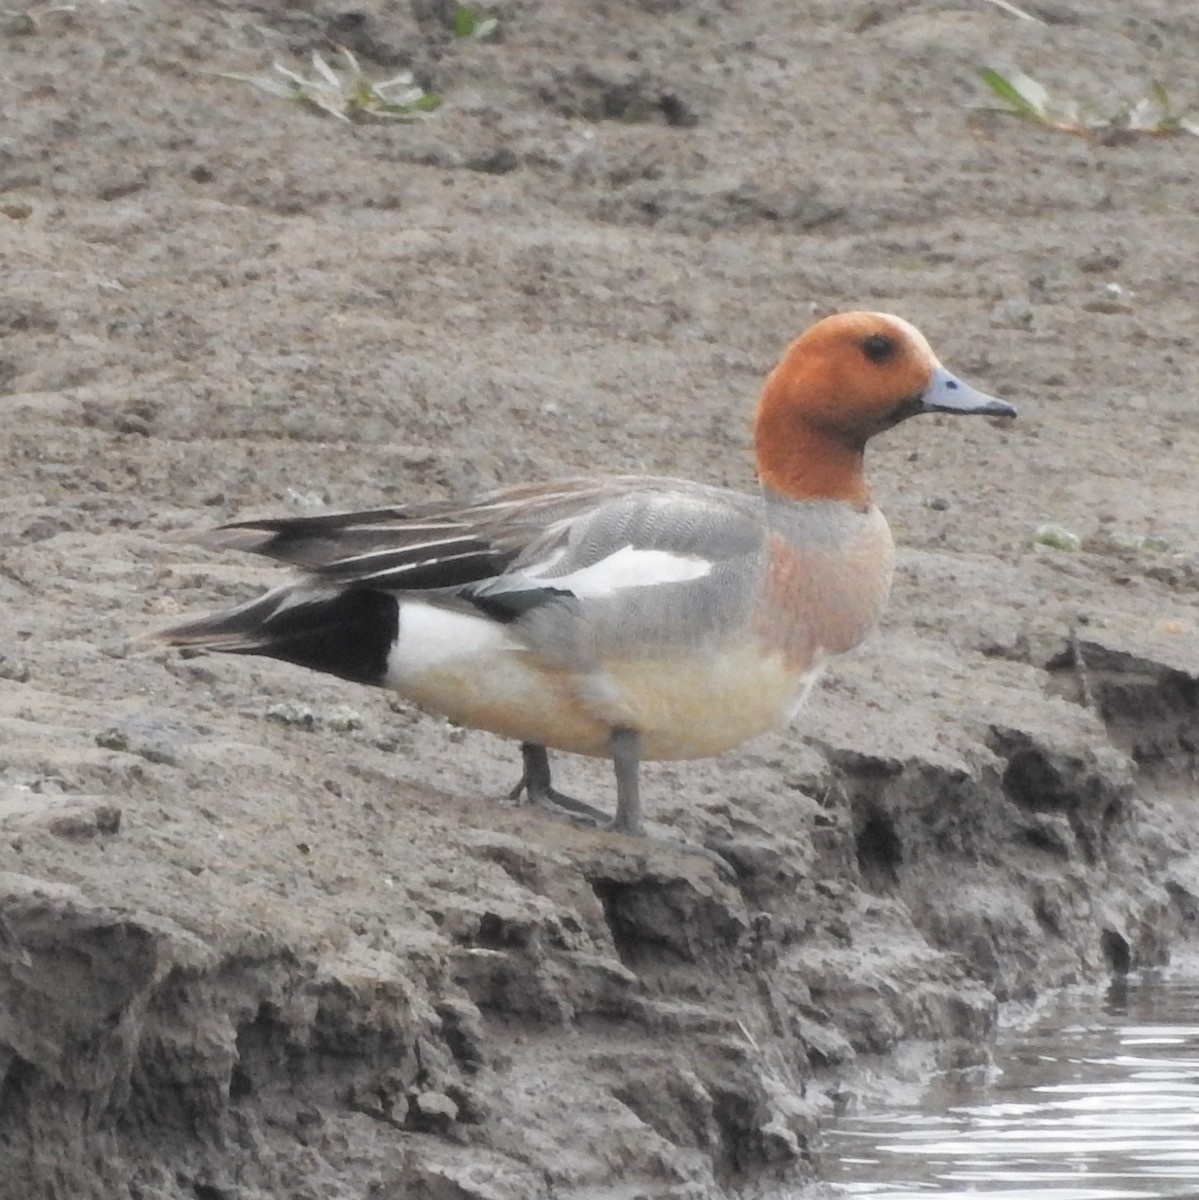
[(1096, 1101)]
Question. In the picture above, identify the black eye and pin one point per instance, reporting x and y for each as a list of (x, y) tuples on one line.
[(878, 347)]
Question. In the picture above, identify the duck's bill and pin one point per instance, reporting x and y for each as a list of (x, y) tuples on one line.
[(948, 394)]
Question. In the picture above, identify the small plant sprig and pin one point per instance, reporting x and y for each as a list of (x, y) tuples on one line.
[(470, 23), (348, 95), (1154, 115)]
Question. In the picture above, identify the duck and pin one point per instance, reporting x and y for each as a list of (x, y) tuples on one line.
[(626, 617)]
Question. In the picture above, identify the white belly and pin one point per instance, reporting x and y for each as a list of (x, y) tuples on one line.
[(684, 705)]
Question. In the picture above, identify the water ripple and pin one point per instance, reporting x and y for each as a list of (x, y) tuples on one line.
[(1095, 1104)]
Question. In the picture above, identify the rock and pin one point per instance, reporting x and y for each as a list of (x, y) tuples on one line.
[(152, 738), (432, 1112), (64, 815)]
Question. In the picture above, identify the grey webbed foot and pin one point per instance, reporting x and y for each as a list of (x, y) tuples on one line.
[(626, 759), (535, 783)]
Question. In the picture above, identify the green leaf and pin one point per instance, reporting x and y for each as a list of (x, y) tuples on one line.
[(360, 95), (348, 96), (1009, 93), (469, 23), (1032, 92)]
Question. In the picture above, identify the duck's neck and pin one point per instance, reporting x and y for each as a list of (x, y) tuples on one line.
[(801, 462)]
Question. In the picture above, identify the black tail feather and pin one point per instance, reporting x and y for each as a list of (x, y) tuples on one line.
[(348, 632)]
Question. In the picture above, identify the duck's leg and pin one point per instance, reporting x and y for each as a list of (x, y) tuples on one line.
[(626, 758), (535, 783)]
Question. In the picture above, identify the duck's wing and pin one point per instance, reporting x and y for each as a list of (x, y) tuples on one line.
[(651, 535), (533, 533)]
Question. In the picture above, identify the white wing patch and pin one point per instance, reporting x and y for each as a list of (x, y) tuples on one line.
[(629, 567), (433, 638)]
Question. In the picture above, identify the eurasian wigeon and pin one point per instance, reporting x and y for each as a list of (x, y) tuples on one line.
[(623, 617)]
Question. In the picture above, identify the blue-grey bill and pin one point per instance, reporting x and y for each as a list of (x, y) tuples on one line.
[(947, 393)]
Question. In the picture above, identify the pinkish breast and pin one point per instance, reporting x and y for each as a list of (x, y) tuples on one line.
[(824, 595)]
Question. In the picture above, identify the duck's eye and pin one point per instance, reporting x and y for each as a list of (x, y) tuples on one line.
[(878, 347)]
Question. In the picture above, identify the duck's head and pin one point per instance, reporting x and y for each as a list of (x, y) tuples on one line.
[(839, 383)]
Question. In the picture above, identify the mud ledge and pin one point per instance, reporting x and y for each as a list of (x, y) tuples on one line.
[(697, 1031)]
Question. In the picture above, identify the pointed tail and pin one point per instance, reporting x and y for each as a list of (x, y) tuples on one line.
[(348, 632)]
